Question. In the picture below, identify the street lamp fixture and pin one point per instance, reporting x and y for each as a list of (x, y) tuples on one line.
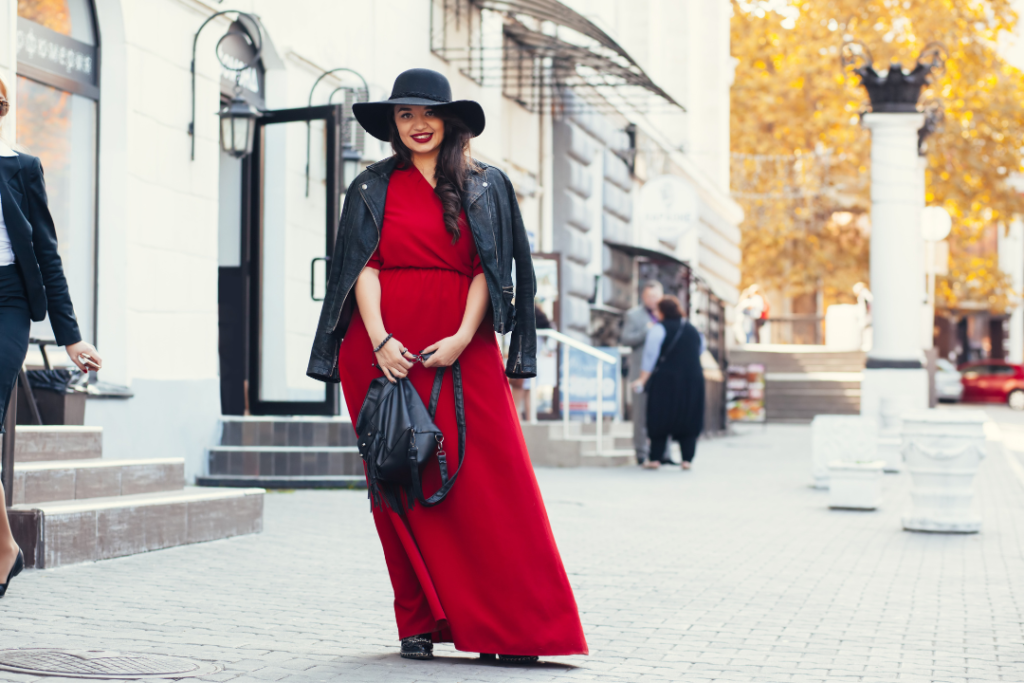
[(350, 159), (237, 50), (350, 155), (237, 126)]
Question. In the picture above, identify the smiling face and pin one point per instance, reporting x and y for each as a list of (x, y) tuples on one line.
[(420, 128)]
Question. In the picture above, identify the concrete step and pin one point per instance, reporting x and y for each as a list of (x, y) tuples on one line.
[(49, 442), (548, 448), (52, 480), (285, 461), (622, 428), (796, 359), (342, 481), (621, 457), (286, 431), (68, 532)]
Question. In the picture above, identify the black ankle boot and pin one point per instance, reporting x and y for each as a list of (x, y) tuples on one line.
[(418, 647)]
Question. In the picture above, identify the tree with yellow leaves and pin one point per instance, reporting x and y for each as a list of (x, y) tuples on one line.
[(801, 159)]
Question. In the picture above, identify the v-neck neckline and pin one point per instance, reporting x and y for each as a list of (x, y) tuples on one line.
[(422, 177)]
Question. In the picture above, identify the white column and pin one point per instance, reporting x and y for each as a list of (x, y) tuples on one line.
[(894, 368), (1011, 262)]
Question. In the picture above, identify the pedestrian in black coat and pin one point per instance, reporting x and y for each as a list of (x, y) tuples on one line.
[(32, 288), (673, 380)]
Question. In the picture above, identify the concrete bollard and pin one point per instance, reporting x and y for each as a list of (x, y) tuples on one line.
[(942, 450), (855, 485), (846, 438)]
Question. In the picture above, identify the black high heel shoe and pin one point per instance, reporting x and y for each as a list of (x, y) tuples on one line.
[(418, 647), (19, 564)]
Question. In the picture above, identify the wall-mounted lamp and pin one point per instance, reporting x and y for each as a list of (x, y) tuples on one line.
[(237, 127), (244, 43), (350, 155)]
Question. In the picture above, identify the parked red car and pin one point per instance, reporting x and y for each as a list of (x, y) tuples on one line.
[(993, 381)]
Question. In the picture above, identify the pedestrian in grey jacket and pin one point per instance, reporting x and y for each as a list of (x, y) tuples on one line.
[(637, 321)]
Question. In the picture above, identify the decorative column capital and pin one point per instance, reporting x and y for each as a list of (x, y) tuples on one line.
[(895, 90)]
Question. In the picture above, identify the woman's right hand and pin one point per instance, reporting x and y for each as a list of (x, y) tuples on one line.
[(394, 360)]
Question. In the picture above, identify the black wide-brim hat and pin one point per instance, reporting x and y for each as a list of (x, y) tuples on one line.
[(422, 87)]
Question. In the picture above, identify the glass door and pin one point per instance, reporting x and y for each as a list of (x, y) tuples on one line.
[(295, 193)]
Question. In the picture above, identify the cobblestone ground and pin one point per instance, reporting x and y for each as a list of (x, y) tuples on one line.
[(734, 571)]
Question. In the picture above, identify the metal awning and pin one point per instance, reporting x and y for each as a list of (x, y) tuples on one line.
[(545, 49), (651, 254)]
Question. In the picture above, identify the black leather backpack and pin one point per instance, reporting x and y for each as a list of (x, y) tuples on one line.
[(397, 436)]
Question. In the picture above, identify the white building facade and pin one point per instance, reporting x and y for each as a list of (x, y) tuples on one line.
[(197, 278)]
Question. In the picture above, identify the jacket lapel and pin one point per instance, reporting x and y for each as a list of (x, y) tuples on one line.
[(11, 196), (18, 228), (475, 188), (375, 190)]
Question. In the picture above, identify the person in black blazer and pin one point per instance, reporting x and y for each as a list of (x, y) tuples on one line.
[(32, 285)]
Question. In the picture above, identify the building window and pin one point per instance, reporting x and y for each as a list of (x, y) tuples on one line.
[(456, 35), (57, 121)]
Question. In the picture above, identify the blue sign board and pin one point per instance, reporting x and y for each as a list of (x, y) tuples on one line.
[(583, 400)]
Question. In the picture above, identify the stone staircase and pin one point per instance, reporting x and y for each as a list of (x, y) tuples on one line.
[(71, 505), (550, 447), (804, 381), (285, 453)]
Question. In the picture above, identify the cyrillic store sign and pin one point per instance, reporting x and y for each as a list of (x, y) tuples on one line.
[(669, 213), (55, 53)]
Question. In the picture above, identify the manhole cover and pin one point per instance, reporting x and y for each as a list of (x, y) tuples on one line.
[(101, 664)]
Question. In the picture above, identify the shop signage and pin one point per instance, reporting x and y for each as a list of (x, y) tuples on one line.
[(583, 390), (55, 53), (668, 210)]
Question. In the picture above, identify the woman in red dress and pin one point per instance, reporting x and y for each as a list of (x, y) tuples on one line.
[(480, 569)]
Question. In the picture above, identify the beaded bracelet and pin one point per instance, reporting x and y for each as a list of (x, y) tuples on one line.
[(381, 345)]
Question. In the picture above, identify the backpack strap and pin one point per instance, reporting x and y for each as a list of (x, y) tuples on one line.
[(442, 457)]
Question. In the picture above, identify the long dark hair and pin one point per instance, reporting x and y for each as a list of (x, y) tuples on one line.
[(453, 166)]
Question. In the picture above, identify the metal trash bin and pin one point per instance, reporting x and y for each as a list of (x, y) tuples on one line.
[(58, 401)]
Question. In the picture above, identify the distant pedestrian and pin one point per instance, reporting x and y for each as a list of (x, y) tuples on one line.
[(32, 286), (638, 321), (673, 380), (753, 311), (422, 280)]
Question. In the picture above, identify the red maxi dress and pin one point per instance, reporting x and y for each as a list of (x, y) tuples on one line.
[(481, 569)]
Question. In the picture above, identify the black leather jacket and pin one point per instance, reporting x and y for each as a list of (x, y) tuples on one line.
[(497, 226), (34, 242)]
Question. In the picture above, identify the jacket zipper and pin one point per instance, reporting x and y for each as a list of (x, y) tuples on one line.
[(494, 241)]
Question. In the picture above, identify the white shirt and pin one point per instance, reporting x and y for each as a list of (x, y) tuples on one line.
[(6, 252)]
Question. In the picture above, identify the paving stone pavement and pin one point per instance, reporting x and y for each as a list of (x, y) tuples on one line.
[(734, 571)]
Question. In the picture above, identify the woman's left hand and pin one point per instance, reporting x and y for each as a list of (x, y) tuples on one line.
[(446, 351), (84, 348)]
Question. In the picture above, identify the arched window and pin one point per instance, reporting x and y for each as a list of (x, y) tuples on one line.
[(58, 92)]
